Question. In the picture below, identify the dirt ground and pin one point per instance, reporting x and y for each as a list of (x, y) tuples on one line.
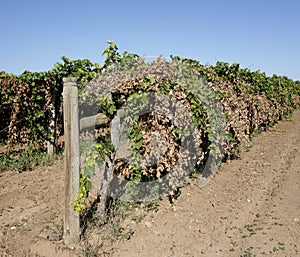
[(250, 208)]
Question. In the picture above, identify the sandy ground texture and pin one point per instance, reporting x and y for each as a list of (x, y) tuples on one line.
[(250, 208)]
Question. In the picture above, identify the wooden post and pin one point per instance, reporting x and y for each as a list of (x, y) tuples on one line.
[(51, 147), (72, 159)]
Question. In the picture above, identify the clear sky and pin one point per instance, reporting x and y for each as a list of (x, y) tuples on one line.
[(259, 34)]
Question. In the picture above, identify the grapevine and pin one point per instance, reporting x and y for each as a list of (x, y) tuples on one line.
[(250, 100)]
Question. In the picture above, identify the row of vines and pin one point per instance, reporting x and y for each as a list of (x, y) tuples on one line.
[(251, 102), (26, 101)]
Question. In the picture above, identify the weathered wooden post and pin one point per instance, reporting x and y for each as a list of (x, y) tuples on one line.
[(72, 159), (51, 147)]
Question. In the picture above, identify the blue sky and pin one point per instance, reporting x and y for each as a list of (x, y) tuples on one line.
[(262, 35)]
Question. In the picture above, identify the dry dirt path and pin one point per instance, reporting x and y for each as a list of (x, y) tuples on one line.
[(250, 208)]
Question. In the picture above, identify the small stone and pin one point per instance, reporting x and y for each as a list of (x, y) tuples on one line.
[(157, 233), (148, 224), (249, 200), (13, 228), (296, 219), (203, 182)]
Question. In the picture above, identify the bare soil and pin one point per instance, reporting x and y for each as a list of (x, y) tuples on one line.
[(251, 207)]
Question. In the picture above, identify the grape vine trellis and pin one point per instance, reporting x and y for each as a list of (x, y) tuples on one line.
[(26, 99), (251, 102)]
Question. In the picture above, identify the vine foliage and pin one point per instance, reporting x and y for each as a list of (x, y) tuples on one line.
[(250, 100)]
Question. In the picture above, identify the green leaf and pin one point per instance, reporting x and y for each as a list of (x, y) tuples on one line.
[(88, 185), (89, 171), (99, 146), (138, 144), (152, 80), (90, 162)]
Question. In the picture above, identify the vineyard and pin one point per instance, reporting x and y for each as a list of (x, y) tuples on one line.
[(251, 101), (181, 118)]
